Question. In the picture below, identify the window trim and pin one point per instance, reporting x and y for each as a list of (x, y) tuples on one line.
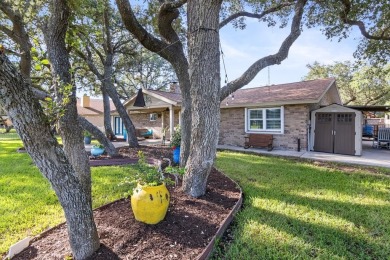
[(266, 131)]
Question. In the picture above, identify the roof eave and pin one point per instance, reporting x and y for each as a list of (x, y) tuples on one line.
[(269, 104)]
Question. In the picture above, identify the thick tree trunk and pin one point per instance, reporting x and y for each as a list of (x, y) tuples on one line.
[(33, 128), (204, 68), (109, 147), (83, 235), (107, 115), (71, 132)]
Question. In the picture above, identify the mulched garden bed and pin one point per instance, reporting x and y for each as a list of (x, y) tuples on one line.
[(187, 229)]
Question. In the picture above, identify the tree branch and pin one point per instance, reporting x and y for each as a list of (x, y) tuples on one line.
[(12, 52), (166, 16), (360, 24), (349, 100), (146, 39), (173, 5), (89, 43), (8, 32), (19, 35), (277, 58), (88, 60), (106, 19), (253, 15)]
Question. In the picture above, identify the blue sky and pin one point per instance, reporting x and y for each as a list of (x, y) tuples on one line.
[(243, 47)]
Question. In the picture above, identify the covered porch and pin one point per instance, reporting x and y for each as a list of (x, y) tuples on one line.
[(157, 112)]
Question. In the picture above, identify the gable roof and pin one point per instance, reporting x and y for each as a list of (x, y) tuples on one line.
[(303, 92), (168, 97), (175, 97), (95, 108)]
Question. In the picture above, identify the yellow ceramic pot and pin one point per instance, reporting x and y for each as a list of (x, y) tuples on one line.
[(150, 203)]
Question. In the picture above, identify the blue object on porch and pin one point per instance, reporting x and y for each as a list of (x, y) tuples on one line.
[(125, 134), (176, 155), (147, 133)]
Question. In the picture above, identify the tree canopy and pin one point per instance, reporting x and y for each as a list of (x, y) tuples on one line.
[(358, 85)]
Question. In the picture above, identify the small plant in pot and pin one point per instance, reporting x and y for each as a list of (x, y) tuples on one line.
[(175, 144), (87, 137), (149, 194), (97, 150)]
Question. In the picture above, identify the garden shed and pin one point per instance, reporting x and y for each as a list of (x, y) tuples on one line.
[(336, 129)]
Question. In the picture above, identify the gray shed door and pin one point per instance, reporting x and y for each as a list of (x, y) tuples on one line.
[(335, 133), (323, 135), (344, 133)]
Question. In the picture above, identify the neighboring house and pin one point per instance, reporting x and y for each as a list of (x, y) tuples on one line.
[(281, 110), (93, 110)]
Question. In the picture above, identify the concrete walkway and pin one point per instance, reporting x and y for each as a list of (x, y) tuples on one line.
[(370, 156)]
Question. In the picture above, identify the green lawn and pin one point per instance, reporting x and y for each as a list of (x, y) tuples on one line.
[(28, 205), (297, 210), (292, 210), (12, 135)]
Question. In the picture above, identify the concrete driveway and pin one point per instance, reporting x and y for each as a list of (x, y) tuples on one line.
[(370, 156)]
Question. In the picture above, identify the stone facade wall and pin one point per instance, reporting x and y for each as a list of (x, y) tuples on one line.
[(142, 121), (232, 127), (296, 120)]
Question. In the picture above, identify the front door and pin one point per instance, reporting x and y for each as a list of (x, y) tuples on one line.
[(118, 126), (335, 133)]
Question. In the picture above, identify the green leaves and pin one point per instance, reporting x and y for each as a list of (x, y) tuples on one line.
[(39, 59), (358, 84)]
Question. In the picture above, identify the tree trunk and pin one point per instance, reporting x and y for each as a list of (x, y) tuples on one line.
[(204, 68), (107, 115), (111, 91), (83, 235), (71, 132), (33, 128), (182, 73), (109, 147), (131, 134)]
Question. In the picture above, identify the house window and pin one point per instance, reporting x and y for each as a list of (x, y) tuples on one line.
[(153, 116), (264, 120)]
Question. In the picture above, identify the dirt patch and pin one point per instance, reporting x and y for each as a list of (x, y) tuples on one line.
[(188, 227)]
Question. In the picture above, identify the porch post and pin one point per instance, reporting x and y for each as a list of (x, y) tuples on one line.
[(171, 120), (162, 121), (180, 117)]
